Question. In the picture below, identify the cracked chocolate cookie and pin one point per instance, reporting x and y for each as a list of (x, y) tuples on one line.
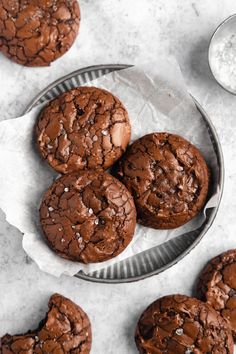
[(88, 216), (168, 178), (65, 329), (85, 128), (217, 286), (178, 324), (37, 32)]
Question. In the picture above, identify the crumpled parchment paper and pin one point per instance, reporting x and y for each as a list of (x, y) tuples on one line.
[(157, 100)]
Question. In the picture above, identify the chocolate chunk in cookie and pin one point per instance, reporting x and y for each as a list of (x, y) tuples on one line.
[(217, 286), (168, 178), (88, 216), (178, 324), (85, 128), (65, 329), (37, 32)]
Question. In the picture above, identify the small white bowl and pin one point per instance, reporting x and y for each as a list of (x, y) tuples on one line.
[(224, 30)]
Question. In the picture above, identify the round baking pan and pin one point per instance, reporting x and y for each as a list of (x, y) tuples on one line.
[(159, 258)]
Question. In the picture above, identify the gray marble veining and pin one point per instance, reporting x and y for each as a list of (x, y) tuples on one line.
[(124, 31)]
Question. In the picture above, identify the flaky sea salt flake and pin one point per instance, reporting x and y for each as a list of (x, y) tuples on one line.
[(179, 331)]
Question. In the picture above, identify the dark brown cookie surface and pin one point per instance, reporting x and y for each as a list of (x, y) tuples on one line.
[(217, 286), (167, 177), (88, 216), (65, 329), (85, 128), (37, 32), (178, 324)]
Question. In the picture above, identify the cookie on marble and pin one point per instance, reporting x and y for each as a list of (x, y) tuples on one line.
[(37, 32), (178, 324), (88, 216), (85, 128), (65, 329), (217, 286), (168, 178)]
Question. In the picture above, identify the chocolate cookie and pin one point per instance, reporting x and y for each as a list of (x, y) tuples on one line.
[(88, 216), (178, 324), (168, 178), (217, 286), (85, 128), (37, 32), (65, 329)]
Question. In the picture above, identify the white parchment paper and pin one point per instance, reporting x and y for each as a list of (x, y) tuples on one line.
[(157, 100)]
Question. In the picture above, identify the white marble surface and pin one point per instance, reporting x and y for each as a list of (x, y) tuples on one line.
[(122, 31)]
